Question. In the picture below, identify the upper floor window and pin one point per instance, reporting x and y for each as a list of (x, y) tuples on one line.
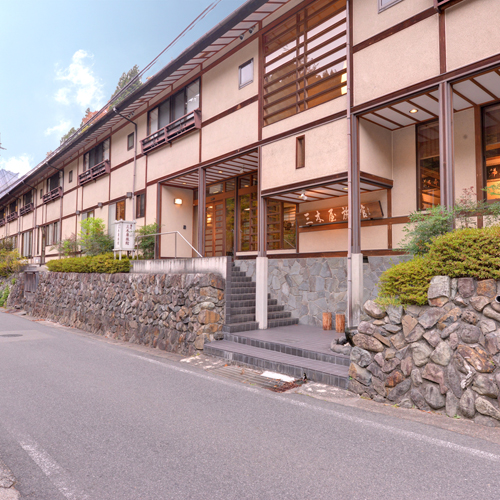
[(53, 182), (245, 72), (96, 155), (28, 198), (130, 141), (385, 4), (428, 165), (70, 176), (305, 60), (13, 207), (175, 107)]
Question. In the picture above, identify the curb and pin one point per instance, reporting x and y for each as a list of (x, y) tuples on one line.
[(7, 482)]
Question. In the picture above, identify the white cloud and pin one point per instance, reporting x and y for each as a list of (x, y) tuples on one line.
[(18, 164), (60, 129), (81, 85), (62, 96)]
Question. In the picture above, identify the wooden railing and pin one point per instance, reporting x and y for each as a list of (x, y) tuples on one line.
[(29, 207), (53, 195), (94, 172), (12, 217), (3, 221), (181, 126)]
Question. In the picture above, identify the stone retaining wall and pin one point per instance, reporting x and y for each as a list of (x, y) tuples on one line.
[(442, 357), (310, 287), (176, 313)]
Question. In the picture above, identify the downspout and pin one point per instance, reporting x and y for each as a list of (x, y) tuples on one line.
[(349, 163), (135, 159)]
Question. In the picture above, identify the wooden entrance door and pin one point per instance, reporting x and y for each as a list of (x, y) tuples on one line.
[(215, 228)]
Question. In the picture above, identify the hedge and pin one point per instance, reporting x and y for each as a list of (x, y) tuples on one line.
[(105, 263), (463, 253)]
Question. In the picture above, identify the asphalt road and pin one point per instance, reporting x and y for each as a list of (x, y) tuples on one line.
[(84, 419)]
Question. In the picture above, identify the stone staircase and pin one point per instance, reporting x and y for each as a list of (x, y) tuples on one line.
[(240, 306), (299, 351)]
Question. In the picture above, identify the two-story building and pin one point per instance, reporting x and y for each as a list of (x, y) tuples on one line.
[(259, 138)]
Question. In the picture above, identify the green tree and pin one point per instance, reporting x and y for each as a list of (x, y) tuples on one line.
[(145, 242), (124, 80), (65, 137), (93, 238)]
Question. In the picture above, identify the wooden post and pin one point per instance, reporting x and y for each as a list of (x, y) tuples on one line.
[(340, 323), (327, 321)]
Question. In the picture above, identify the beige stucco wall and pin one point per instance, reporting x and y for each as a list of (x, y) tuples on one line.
[(232, 132), (326, 154), (151, 196), (472, 32), (68, 227), (119, 152), (122, 179), (174, 218), (323, 241), (308, 116), (367, 21), (465, 157), (397, 235), (183, 153), (69, 203), (403, 59), (95, 192), (375, 149), (220, 85), (404, 192), (67, 169), (53, 210)]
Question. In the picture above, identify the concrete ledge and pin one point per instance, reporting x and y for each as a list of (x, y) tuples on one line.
[(217, 265)]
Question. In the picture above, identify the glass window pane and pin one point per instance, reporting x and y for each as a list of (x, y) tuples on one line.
[(491, 138), (193, 96), (428, 165), (179, 106), (164, 114), (246, 73), (153, 121)]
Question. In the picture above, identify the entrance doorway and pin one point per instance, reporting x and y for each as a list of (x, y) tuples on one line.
[(231, 216)]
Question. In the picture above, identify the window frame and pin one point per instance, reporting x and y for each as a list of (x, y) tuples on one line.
[(90, 155), (381, 7), (70, 176), (139, 214), (300, 152), (418, 170), (130, 146), (249, 62), (124, 210), (171, 106)]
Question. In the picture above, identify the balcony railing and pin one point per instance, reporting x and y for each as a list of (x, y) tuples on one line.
[(53, 195), (94, 172), (29, 207), (3, 221), (12, 217), (167, 134)]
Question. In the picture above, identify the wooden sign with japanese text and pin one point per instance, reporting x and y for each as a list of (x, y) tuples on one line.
[(336, 215)]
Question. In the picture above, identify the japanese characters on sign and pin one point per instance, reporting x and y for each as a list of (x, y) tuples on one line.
[(124, 235), (325, 216)]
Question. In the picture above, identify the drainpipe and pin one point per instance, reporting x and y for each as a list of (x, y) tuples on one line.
[(135, 159)]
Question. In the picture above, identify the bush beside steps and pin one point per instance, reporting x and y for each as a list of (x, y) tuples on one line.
[(105, 263)]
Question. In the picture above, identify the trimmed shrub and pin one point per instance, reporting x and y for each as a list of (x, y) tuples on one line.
[(10, 262), (405, 283), (471, 252), (104, 263)]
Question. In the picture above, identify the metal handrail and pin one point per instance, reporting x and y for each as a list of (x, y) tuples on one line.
[(161, 234)]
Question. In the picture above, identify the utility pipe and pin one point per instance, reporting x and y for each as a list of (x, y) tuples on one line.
[(135, 159)]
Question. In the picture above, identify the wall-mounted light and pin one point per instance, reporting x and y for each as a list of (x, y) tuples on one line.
[(251, 29), (414, 110), (303, 195), (177, 201), (129, 195), (242, 36), (99, 205)]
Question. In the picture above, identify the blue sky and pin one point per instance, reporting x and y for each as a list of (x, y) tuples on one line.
[(59, 58)]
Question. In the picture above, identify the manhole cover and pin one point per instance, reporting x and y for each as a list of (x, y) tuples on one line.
[(11, 335)]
